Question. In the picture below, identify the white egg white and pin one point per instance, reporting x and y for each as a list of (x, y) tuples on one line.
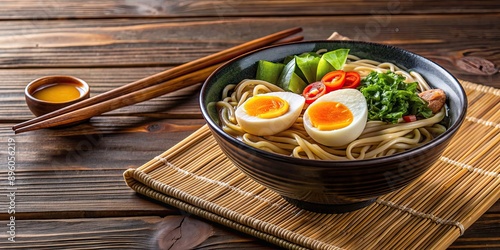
[(270, 126), (356, 103)]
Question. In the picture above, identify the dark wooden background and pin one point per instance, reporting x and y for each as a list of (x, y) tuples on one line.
[(70, 190)]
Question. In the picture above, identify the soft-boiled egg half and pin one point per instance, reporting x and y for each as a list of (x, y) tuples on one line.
[(337, 118), (270, 113)]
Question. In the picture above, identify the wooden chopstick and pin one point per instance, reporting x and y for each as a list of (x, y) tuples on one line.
[(131, 98), (139, 90), (125, 100)]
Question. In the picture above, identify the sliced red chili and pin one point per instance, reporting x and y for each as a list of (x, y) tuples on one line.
[(313, 91), (352, 80), (410, 118), (334, 80)]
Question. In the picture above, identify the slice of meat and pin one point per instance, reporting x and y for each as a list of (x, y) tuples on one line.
[(435, 97)]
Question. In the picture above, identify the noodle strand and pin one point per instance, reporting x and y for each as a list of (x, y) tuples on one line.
[(378, 138)]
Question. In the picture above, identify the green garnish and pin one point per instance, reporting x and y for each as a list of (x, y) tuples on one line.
[(269, 71), (289, 79), (389, 98), (308, 64), (330, 61), (301, 70)]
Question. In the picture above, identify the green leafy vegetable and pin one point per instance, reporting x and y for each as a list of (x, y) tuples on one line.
[(330, 61), (289, 80), (269, 71), (308, 64), (389, 98), (295, 72)]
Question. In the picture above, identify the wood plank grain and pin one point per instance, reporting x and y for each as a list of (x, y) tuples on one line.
[(484, 233), (168, 42), (77, 171), (182, 103), (56, 9), (88, 146), (183, 231), (70, 191), (142, 232)]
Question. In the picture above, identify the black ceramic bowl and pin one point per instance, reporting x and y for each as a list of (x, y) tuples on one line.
[(332, 186)]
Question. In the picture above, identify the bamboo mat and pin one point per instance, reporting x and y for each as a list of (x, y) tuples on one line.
[(430, 213)]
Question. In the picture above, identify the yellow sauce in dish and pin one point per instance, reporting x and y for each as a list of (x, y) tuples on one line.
[(58, 92)]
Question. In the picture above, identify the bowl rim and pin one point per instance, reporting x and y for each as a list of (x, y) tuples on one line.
[(303, 161)]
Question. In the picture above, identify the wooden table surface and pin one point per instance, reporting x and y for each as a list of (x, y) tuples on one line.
[(69, 189)]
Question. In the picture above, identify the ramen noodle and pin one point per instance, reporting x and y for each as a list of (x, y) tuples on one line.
[(377, 139)]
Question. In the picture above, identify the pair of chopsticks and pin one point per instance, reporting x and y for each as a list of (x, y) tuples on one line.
[(150, 87)]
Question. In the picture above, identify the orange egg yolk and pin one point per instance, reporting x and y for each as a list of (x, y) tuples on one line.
[(330, 115), (266, 106)]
